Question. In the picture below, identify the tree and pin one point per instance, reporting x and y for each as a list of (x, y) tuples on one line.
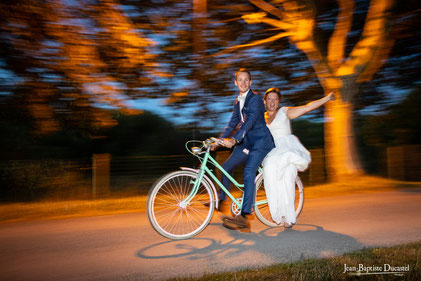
[(336, 69), (68, 60), (103, 52)]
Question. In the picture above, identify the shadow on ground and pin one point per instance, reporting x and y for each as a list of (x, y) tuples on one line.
[(275, 244)]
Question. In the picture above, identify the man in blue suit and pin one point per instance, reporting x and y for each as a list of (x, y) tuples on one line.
[(252, 142)]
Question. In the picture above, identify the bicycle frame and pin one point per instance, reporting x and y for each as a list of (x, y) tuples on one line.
[(181, 203), (205, 170)]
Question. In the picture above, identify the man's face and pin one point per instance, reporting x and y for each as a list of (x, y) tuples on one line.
[(243, 82)]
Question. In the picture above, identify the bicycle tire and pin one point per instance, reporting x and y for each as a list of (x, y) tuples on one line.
[(262, 211), (167, 214)]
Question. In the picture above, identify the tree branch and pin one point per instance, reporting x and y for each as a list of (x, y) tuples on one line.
[(337, 42), (252, 44), (298, 24), (256, 18), (268, 8), (378, 57), (374, 33), (382, 52)]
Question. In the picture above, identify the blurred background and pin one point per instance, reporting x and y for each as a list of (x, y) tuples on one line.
[(97, 98)]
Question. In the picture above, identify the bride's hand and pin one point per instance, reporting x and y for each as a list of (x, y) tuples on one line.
[(331, 96)]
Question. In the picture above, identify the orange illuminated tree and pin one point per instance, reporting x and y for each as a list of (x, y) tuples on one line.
[(71, 61), (335, 70)]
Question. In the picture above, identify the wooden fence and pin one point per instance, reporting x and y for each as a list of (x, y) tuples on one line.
[(105, 176)]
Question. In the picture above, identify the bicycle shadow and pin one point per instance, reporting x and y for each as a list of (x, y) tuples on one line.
[(268, 246)]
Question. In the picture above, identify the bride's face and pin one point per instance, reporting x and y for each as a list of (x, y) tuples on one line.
[(272, 102)]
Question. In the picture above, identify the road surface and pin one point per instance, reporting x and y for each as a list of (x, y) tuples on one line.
[(125, 247)]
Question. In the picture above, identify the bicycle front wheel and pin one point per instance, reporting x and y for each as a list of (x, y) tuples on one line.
[(169, 212), (262, 209)]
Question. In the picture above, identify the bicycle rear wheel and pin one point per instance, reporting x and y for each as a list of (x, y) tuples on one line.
[(262, 210), (168, 212)]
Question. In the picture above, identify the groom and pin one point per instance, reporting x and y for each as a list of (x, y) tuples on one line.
[(252, 141)]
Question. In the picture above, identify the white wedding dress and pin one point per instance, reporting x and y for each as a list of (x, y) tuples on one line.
[(280, 169)]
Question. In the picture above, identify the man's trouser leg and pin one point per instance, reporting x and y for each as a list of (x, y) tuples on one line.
[(236, 158), (253, 162)]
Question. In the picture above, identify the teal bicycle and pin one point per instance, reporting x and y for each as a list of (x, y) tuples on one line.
[(181, 203)]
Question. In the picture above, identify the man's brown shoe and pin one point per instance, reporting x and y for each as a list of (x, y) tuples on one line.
[(236, 223)]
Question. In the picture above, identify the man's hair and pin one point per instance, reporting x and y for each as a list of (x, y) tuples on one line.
[(273, 90), (242, 70)]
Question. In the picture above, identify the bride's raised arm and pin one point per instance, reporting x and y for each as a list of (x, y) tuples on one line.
[(297, 111)]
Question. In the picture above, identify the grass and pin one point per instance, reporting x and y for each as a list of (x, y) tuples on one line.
[(333, 268), (63, 209), (362, 184)]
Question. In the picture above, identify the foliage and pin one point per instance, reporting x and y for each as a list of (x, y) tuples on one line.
[(309, 133), (31, 169), (396, 125), (63, 62), (142, 134), (146, 134), (34, 180)]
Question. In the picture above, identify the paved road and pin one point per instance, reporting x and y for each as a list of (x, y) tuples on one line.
[(125, 247)]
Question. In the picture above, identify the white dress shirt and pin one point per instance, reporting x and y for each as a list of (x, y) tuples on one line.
[(242, 99)]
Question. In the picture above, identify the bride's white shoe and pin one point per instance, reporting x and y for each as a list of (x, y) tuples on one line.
[(286, 224)]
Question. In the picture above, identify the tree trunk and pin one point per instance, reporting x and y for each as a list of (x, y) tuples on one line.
[(342, 159), (341, 154), (336, 71)]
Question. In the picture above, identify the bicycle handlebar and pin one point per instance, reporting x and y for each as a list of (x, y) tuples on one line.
[(217, 140), (206, 144)]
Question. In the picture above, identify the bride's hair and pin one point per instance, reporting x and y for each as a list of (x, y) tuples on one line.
[(273, 90)]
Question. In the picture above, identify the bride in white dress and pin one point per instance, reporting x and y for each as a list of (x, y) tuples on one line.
[(289, 156)]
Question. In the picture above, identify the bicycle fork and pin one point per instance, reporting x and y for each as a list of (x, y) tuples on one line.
[(183, 204)]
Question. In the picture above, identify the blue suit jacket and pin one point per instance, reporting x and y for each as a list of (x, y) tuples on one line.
[(253, 134)]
